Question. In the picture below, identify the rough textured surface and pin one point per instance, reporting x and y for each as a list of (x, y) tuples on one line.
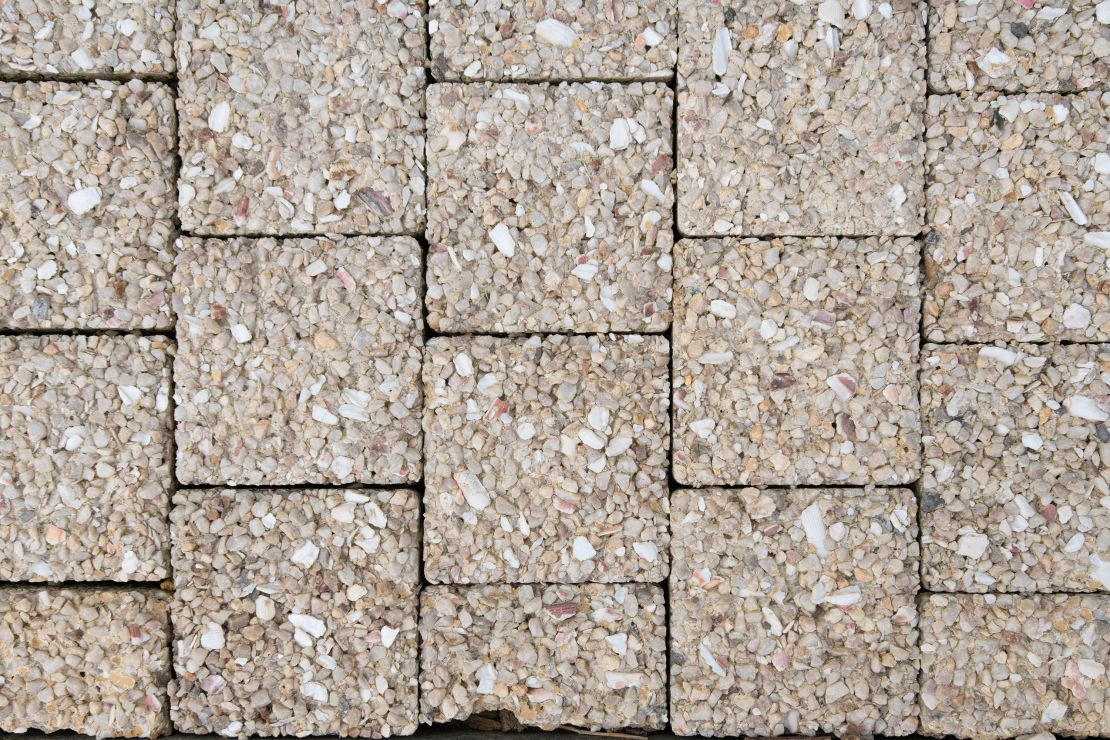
[(1016, 487), (295, 612), (549, 207), (301, 117), (87, 38), (549, 40), (794, 612), (1006, 257), (1000, 666), (84, 458), (801, 118), (94, 662), (87, 202), (1049, 45), (587, 656), (298, 360), (795, 361), (546, 459)]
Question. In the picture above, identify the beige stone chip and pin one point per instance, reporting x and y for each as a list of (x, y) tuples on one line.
[(85, 660), (795, 361), (299, 360), (549, 207), (87, 203), (303, 117), (546, 459), (90, 39), (295, 612), (1001, 666), (1019, 218), (801, 118), (793, 612), (589, 656), (1042, 46), (549, 40), (1016, 485), (84, 458)]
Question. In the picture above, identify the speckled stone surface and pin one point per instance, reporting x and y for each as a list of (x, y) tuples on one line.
[(90, 661), (1044, 46), (1000, 666), (793, 611), (299, 360), (87, 204), (801, 118), (86, 38), (84, 458), (1016, 486), (549, 207), (589, 656), (546, 459), (1019, 218), (295, 612), (795, 361), (549, 40), (302, 117)]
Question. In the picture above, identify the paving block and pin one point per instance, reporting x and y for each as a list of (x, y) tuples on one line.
[(299, 360), (546, 459), (793, 612), (295, 612), (1016, 485), (589, 656), (796, 361), (549, 207), (88, 173)]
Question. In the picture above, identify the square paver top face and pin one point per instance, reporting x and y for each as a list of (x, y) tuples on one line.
[(1004, 666), (298, 361), (591, 656), (801, 118), (84, 458), (87, 39), (1047, 46), (793, 612), (549, 40), (549, 207), (83, 660), (295, 612), (87, 200), (796, 361), (1019, 213), (546, 459), (1016, 485), (301, 117)]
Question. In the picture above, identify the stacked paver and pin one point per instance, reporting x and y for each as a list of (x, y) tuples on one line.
[(374, 363)]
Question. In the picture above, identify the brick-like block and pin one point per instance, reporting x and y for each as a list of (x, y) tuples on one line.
[(793, 612), (295, 612), (801, 118), (546, 459), (50, 38), (549, 40), (84, 458), (298, 361), (302, 117), (87, 202), (1016, 484), (89, 661), (795, 361), (999, 666), (1019, 218), (590, 656), (549, 207), (1047, 46)]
